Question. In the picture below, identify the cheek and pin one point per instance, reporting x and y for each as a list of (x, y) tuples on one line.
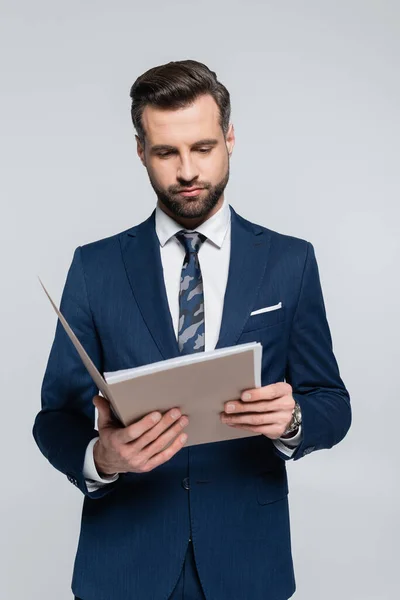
[(161, 175), (215, 169)]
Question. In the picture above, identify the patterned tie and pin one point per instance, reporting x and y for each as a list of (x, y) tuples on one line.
[(191, 299)]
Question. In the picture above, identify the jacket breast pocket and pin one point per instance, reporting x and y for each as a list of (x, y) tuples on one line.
[(265, 319), (272, 486)]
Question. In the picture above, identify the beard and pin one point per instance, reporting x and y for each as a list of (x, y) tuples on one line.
[(195, 207)]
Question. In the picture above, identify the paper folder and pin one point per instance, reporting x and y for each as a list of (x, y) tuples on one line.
[(198, 384)]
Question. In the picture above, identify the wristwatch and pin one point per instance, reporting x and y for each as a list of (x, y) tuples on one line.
[(295, 420)]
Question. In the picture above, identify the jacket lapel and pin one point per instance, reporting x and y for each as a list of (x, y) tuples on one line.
[(141, 255), (249, 254)]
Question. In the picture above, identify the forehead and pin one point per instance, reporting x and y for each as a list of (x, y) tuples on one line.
[(198, 120)]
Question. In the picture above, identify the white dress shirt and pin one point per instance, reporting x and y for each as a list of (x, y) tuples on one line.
[(214, 255)]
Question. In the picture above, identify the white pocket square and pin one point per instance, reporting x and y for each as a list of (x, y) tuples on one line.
[(266, 309)]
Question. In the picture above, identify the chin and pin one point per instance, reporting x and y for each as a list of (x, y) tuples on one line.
[(193, 207), (188, 208)]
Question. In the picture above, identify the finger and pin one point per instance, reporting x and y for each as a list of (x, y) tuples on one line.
[(255, 428), (171, 417), (163, 440), (166, 454), (135, 430), (104, 411), (267, 392), (168, 419), (256, 418), (271, 431), (283, 403), (147, 424)]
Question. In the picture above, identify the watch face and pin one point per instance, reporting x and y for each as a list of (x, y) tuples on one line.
[(297, 414)]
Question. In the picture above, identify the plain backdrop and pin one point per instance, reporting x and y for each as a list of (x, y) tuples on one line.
[(316, 104)]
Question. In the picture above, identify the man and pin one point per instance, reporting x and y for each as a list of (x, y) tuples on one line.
[(160, 519)]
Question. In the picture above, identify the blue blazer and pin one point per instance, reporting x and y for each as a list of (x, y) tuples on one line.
[(135, 532)]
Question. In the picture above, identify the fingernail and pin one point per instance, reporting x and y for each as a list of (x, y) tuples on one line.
[(230, 408), (246, 396), (175, 414), (156, 417)]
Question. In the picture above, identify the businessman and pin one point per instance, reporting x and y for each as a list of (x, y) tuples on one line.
[(161, 519)]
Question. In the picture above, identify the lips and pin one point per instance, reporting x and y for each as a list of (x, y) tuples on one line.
[(190, 192)]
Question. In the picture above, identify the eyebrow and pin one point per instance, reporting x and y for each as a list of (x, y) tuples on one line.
[(205, 142)]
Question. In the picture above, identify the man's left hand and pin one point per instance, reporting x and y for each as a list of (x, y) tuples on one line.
[(266, 410)]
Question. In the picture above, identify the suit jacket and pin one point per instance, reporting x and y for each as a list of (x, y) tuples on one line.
[(134, 532)]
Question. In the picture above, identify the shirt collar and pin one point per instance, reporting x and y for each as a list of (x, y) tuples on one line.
[(214, 228)]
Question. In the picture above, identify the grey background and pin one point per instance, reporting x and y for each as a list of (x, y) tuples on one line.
[(315, 100)]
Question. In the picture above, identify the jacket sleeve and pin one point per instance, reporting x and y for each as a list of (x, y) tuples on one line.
[(65, 424), (312, 370)]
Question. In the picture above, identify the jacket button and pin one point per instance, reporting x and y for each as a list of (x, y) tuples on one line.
[(185, 483)]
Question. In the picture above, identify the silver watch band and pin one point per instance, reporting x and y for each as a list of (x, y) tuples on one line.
[(295, 421)]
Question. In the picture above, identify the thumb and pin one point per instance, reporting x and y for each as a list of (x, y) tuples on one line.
[(104, 411)]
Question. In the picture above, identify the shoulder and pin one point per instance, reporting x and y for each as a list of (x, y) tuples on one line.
[(280, 243), (107, 248)]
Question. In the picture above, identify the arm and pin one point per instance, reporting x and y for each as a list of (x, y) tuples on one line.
[(312, 370), (65, 425)]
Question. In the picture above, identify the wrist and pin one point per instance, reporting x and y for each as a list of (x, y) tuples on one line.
[(99, 461)]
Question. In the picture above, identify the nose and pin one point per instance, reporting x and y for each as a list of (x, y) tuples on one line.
[(187, 170)]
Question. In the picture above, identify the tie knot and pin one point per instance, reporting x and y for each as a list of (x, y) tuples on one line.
[(190, 240)]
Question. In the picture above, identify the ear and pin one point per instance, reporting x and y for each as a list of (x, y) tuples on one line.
[(140, 150), (230, 139)]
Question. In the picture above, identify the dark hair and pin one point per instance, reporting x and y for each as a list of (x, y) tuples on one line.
[(176, 85)]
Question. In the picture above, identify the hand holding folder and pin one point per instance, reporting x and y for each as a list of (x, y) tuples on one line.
[(140, 447)]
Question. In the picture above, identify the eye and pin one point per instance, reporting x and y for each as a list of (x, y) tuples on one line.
[(169, 152)]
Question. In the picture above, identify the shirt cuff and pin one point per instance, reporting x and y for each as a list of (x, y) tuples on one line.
[(90, 473), (288, 446)]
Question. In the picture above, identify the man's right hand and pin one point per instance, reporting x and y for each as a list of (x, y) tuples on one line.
[(138, 448)]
